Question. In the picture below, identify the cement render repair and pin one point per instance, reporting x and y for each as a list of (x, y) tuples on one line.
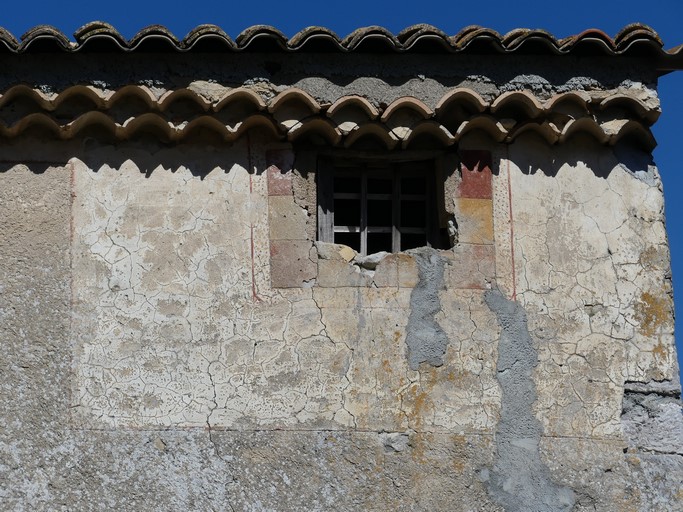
[(519, 480)]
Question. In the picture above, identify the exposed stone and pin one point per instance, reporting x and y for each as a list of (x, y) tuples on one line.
[(287, 220), (394, 441), (291, 263), (370, 261), (652, 417), (407, 271), (335, 273), (476, 175), (386, 272), (475, 225), (471, 266), (330, 251)]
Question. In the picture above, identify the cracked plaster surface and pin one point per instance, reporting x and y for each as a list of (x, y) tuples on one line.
[(176, 325), (593, 274), (360, 456), (172, 324)]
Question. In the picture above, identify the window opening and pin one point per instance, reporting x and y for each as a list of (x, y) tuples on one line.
[(373, 207)]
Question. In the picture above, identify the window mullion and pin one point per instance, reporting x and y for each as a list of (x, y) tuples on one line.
[(325, 202), (364, 213), (396, 212)]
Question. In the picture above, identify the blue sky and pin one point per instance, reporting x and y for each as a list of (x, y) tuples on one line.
[(560, 18)]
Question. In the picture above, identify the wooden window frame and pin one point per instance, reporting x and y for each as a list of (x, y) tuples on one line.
[(396, 169)]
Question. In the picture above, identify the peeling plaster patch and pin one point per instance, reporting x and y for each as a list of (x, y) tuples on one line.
[(652, 417), (637, 163), (519, 480), (425, 338)]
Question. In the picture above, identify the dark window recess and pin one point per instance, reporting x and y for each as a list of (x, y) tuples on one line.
[(374, 207)]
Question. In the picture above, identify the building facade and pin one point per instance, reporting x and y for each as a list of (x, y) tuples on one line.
[(411, 272)]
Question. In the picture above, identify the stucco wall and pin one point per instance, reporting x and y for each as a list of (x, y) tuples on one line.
[(150, 364), (174, 338)]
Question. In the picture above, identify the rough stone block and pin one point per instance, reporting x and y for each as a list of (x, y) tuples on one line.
[(407, 271), (332, 251), (338, 274), (287, 220), (476, 174), (292, 263), (279, 183), (473, 266), (386, 274), (279, 172), (475, 221)]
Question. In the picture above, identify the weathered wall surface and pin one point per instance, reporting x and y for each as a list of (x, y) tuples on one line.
[(177, 323), (174, 338)]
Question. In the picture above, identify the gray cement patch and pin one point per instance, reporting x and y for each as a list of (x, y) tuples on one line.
[(425, 338), (519, 481)]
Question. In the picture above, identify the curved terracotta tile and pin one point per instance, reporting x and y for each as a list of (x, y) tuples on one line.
[(406, 102), (583, 125), (308, 34), (632, 129), (524, 99), (578, 98), (351, 112), (207, 31), (591, 34), (139, 91), (348, 101), (150, 31), (259, 121), (97, 29), (31, 121), (240, 94), (23, 91), (296, 95), (251, 34), (461, 94), (47, 32), (635, 31), (433, 129), (415, 34), (371, 130), (547, 131), (79, 90), (145, 122), (320, 126), (483, 123), (8, 40), (205, 122), (358, 36), (166, 100), (518, 37), (633, 105), (423, 37), (470, 34), (86, 121)]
